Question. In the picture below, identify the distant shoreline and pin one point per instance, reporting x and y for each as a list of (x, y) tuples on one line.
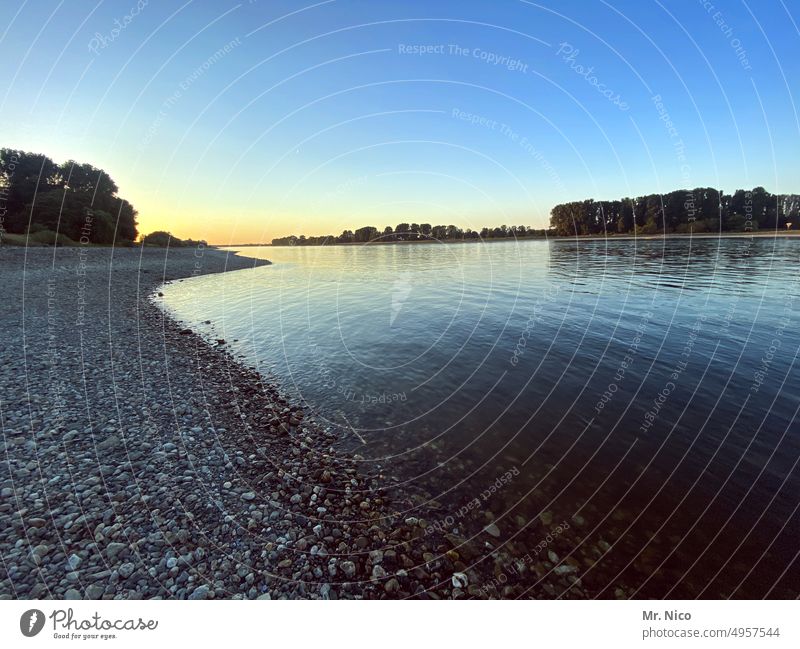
[(788, 234)]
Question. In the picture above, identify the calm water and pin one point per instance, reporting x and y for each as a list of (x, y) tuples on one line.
[(647, 389)]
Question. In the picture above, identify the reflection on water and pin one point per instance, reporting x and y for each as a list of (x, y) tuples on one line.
[(646, 391)]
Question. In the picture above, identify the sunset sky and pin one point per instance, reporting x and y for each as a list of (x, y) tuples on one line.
[(244, 121)]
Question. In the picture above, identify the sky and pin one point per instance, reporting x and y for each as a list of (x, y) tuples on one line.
[(242, 121)]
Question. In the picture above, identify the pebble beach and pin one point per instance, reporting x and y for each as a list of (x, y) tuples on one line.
[(141, 461)]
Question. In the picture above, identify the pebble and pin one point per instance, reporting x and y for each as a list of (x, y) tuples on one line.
[(114, 549), (459, 580), (348, 568), (126, 570), (493, 530), (201, 592)]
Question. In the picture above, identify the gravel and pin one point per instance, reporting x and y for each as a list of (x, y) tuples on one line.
[(141, 461)]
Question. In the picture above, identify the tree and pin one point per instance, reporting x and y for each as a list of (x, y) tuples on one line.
[(625, 219), (453, 232), (60, 211), (22, 176), (366, 234), (402, 231), (61, 197), (764, 208), (572, 218), (86, 178), (125, 220), (439, 232)]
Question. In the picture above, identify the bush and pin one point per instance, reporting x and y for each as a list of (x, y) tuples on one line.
[(648, 228), (161, 239), (738, 223), (50, 238)]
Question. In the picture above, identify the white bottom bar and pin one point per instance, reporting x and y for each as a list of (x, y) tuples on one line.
[(401, 625)]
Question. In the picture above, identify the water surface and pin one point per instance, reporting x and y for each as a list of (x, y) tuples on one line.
[(646, 389)]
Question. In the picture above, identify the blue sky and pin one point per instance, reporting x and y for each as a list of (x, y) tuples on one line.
[(318, 116)]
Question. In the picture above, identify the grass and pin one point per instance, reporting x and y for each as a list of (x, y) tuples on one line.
[(40, 238)]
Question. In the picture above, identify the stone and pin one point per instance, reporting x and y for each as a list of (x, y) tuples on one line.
[(565, 570), (114, 549), (248, 495), (39, 552), (348, 568), (459, 580), (201, 592), (109, 443), (126, 570), (72, 594), (493, 530)]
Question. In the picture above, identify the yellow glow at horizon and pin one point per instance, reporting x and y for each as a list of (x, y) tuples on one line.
[(218, 227)]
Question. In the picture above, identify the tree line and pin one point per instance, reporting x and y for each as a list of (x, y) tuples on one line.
[(411, 232), (75, 200), (703, 209)]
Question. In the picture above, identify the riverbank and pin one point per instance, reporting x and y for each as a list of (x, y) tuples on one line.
[(584, 237), (143, 462)]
